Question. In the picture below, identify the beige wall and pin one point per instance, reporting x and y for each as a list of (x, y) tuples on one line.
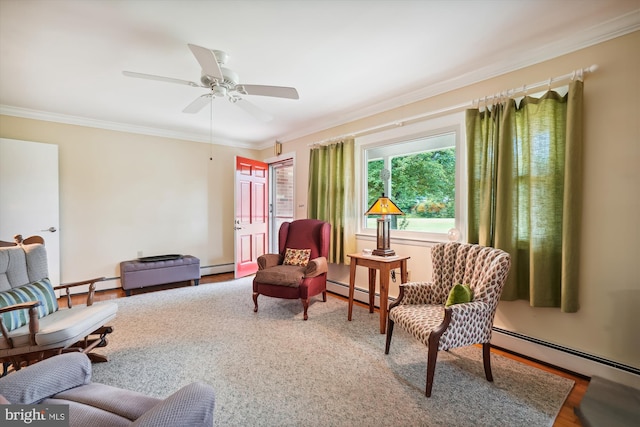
[(121, 193), (606, 324)]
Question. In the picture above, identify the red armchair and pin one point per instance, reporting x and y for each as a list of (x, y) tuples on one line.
[(299, 270)]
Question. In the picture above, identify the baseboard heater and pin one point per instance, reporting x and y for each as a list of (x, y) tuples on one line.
[(558, 356), (571, 351), (585, 357)]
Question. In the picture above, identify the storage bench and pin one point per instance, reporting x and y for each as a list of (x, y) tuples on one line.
[(141, 273)]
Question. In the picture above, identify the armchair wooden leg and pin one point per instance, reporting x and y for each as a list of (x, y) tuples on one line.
[(431, 363), (434, 344), (255, 302), (305, 304), (486, 357), (324, 296)]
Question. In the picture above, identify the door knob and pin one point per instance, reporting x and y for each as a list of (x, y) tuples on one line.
[(50, 230)]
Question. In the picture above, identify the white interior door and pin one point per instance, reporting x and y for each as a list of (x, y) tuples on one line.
[(29, 203)]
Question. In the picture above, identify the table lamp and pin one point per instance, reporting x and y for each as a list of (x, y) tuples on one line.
[(384, 207)]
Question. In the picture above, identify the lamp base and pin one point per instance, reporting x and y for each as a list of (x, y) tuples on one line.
[(383, 252)]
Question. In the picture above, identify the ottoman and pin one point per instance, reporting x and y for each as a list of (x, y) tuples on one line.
[(158, 270)]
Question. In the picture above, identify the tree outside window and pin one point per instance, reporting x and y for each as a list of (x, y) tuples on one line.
[(422, 182)]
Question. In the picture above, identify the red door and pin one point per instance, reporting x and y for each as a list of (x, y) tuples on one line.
[(252, 214)]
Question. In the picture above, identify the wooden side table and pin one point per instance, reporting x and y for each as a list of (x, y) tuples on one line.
[(385, 265)]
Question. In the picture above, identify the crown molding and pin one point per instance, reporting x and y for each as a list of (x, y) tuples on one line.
[(115, 126), (599, 33), (596, 34)]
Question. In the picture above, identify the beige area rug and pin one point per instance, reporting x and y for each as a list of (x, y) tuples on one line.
[(271, 368)]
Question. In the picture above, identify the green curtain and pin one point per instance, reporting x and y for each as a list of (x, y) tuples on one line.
[(331, 195), (525, 192)]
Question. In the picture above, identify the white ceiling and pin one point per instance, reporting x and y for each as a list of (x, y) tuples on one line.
[(62, 60)]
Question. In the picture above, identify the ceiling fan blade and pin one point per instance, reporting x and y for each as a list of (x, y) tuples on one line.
[(276, 91), (207, 60), (160, 78), (198, 104), (252, 109)]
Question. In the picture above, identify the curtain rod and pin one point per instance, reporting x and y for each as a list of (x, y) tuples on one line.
[(522, 90)]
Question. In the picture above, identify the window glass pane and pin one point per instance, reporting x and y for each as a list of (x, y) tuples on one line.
[(421, 182), (376, 187)]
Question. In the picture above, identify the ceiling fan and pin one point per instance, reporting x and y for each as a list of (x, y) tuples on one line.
[(222, 83)]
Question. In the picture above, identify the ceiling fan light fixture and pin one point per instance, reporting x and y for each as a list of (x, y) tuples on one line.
[(219, 91)]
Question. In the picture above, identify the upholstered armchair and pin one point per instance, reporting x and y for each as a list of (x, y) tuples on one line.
[(299, 270), (422, 307)]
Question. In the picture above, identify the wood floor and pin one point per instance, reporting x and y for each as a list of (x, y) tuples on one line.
[(566, 417)]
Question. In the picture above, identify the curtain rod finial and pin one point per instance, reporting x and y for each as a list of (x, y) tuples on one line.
[(592, 68)]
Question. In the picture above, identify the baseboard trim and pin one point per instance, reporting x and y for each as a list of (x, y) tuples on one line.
[(206, 270), (358, 295), (558, 356)]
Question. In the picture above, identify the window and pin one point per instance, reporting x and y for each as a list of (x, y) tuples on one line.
[(419, 173)]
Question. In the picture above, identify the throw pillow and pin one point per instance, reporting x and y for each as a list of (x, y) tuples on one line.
[(37, 291), (299, 257), (459, 294), (16, 318)]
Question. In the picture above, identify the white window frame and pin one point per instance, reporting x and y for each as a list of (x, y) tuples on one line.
[(450, 123)]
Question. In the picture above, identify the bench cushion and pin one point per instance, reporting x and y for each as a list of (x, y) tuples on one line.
[(62, 328), (38, 291)]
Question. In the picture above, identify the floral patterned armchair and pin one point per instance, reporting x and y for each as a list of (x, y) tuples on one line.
[(420, 308)]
